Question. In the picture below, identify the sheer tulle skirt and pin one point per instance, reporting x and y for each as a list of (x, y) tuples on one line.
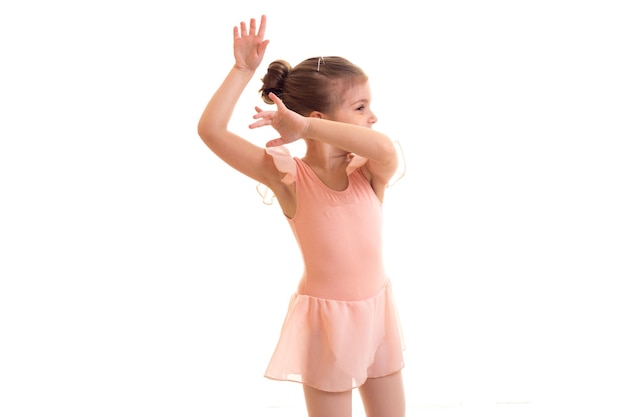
[(335, 345)]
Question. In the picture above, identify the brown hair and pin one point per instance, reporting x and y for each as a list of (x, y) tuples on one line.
[(315, 84)]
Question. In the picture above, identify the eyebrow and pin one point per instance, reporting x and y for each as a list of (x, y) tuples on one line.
[(361, 100)]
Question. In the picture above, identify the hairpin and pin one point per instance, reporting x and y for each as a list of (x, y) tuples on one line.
[(318, 62)]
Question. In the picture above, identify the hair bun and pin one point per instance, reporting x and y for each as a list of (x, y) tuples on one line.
[(274, 80)]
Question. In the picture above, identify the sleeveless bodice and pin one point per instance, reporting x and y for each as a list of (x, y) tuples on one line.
[(340, 236)]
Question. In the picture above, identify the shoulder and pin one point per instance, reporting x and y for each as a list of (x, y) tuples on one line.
[(359, 165), (378, 186), (283, 186)]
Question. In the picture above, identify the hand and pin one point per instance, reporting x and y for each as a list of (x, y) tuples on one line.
[(290, 125), (249, 46)]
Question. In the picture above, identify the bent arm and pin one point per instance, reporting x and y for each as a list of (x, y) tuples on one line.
[(236, 151), (249, 47), (368, 143), (360, 140)]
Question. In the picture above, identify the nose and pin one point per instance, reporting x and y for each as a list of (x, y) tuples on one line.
[(373, 119)]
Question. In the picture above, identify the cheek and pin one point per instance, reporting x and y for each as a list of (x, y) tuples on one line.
[(343, 117)]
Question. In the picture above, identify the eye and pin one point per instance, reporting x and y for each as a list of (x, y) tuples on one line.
[(361, 108)]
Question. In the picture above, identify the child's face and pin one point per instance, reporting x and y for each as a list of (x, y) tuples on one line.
[(355, 107)]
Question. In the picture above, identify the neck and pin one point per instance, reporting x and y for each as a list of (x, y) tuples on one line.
[(325, 156)]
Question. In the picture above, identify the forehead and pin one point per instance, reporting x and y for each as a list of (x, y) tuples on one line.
[(357, 92)]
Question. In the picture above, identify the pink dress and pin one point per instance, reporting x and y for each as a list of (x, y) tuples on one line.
[(341, 325)]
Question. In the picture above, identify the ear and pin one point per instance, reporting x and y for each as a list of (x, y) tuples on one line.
[(317, 115)]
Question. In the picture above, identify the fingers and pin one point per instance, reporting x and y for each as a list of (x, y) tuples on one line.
[(263, 114), (261, 32), (276, 100), (263, 47), (253, 31), (262, 28), (252, 27), (264, 118), (260, 123), (274, 142)]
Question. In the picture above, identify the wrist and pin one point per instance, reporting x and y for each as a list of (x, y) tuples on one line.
[(308, 129), (244, 69)]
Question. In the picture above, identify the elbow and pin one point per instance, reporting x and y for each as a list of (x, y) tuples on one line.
[(388, 157), (209, 127), (208, 137), (202, 131), (206, 132), (204, 135), (204, 127), (388, 153)]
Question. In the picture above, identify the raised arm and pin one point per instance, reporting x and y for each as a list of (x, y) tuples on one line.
[(382, 160), (249, 47), (360, 140)]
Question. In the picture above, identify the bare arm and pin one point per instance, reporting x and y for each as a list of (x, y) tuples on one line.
[(249, 48), (366, 142), (363, 141)]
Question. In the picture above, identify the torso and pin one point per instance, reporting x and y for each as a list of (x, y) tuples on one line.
[(339, 230)]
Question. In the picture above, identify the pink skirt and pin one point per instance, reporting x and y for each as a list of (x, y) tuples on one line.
[(335, 345)]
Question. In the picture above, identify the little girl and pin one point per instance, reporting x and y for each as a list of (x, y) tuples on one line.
[(341, 330)]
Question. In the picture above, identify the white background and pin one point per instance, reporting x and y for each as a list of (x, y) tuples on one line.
[(142, 276)]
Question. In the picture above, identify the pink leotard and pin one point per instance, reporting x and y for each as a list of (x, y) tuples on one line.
[(341, 325)]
